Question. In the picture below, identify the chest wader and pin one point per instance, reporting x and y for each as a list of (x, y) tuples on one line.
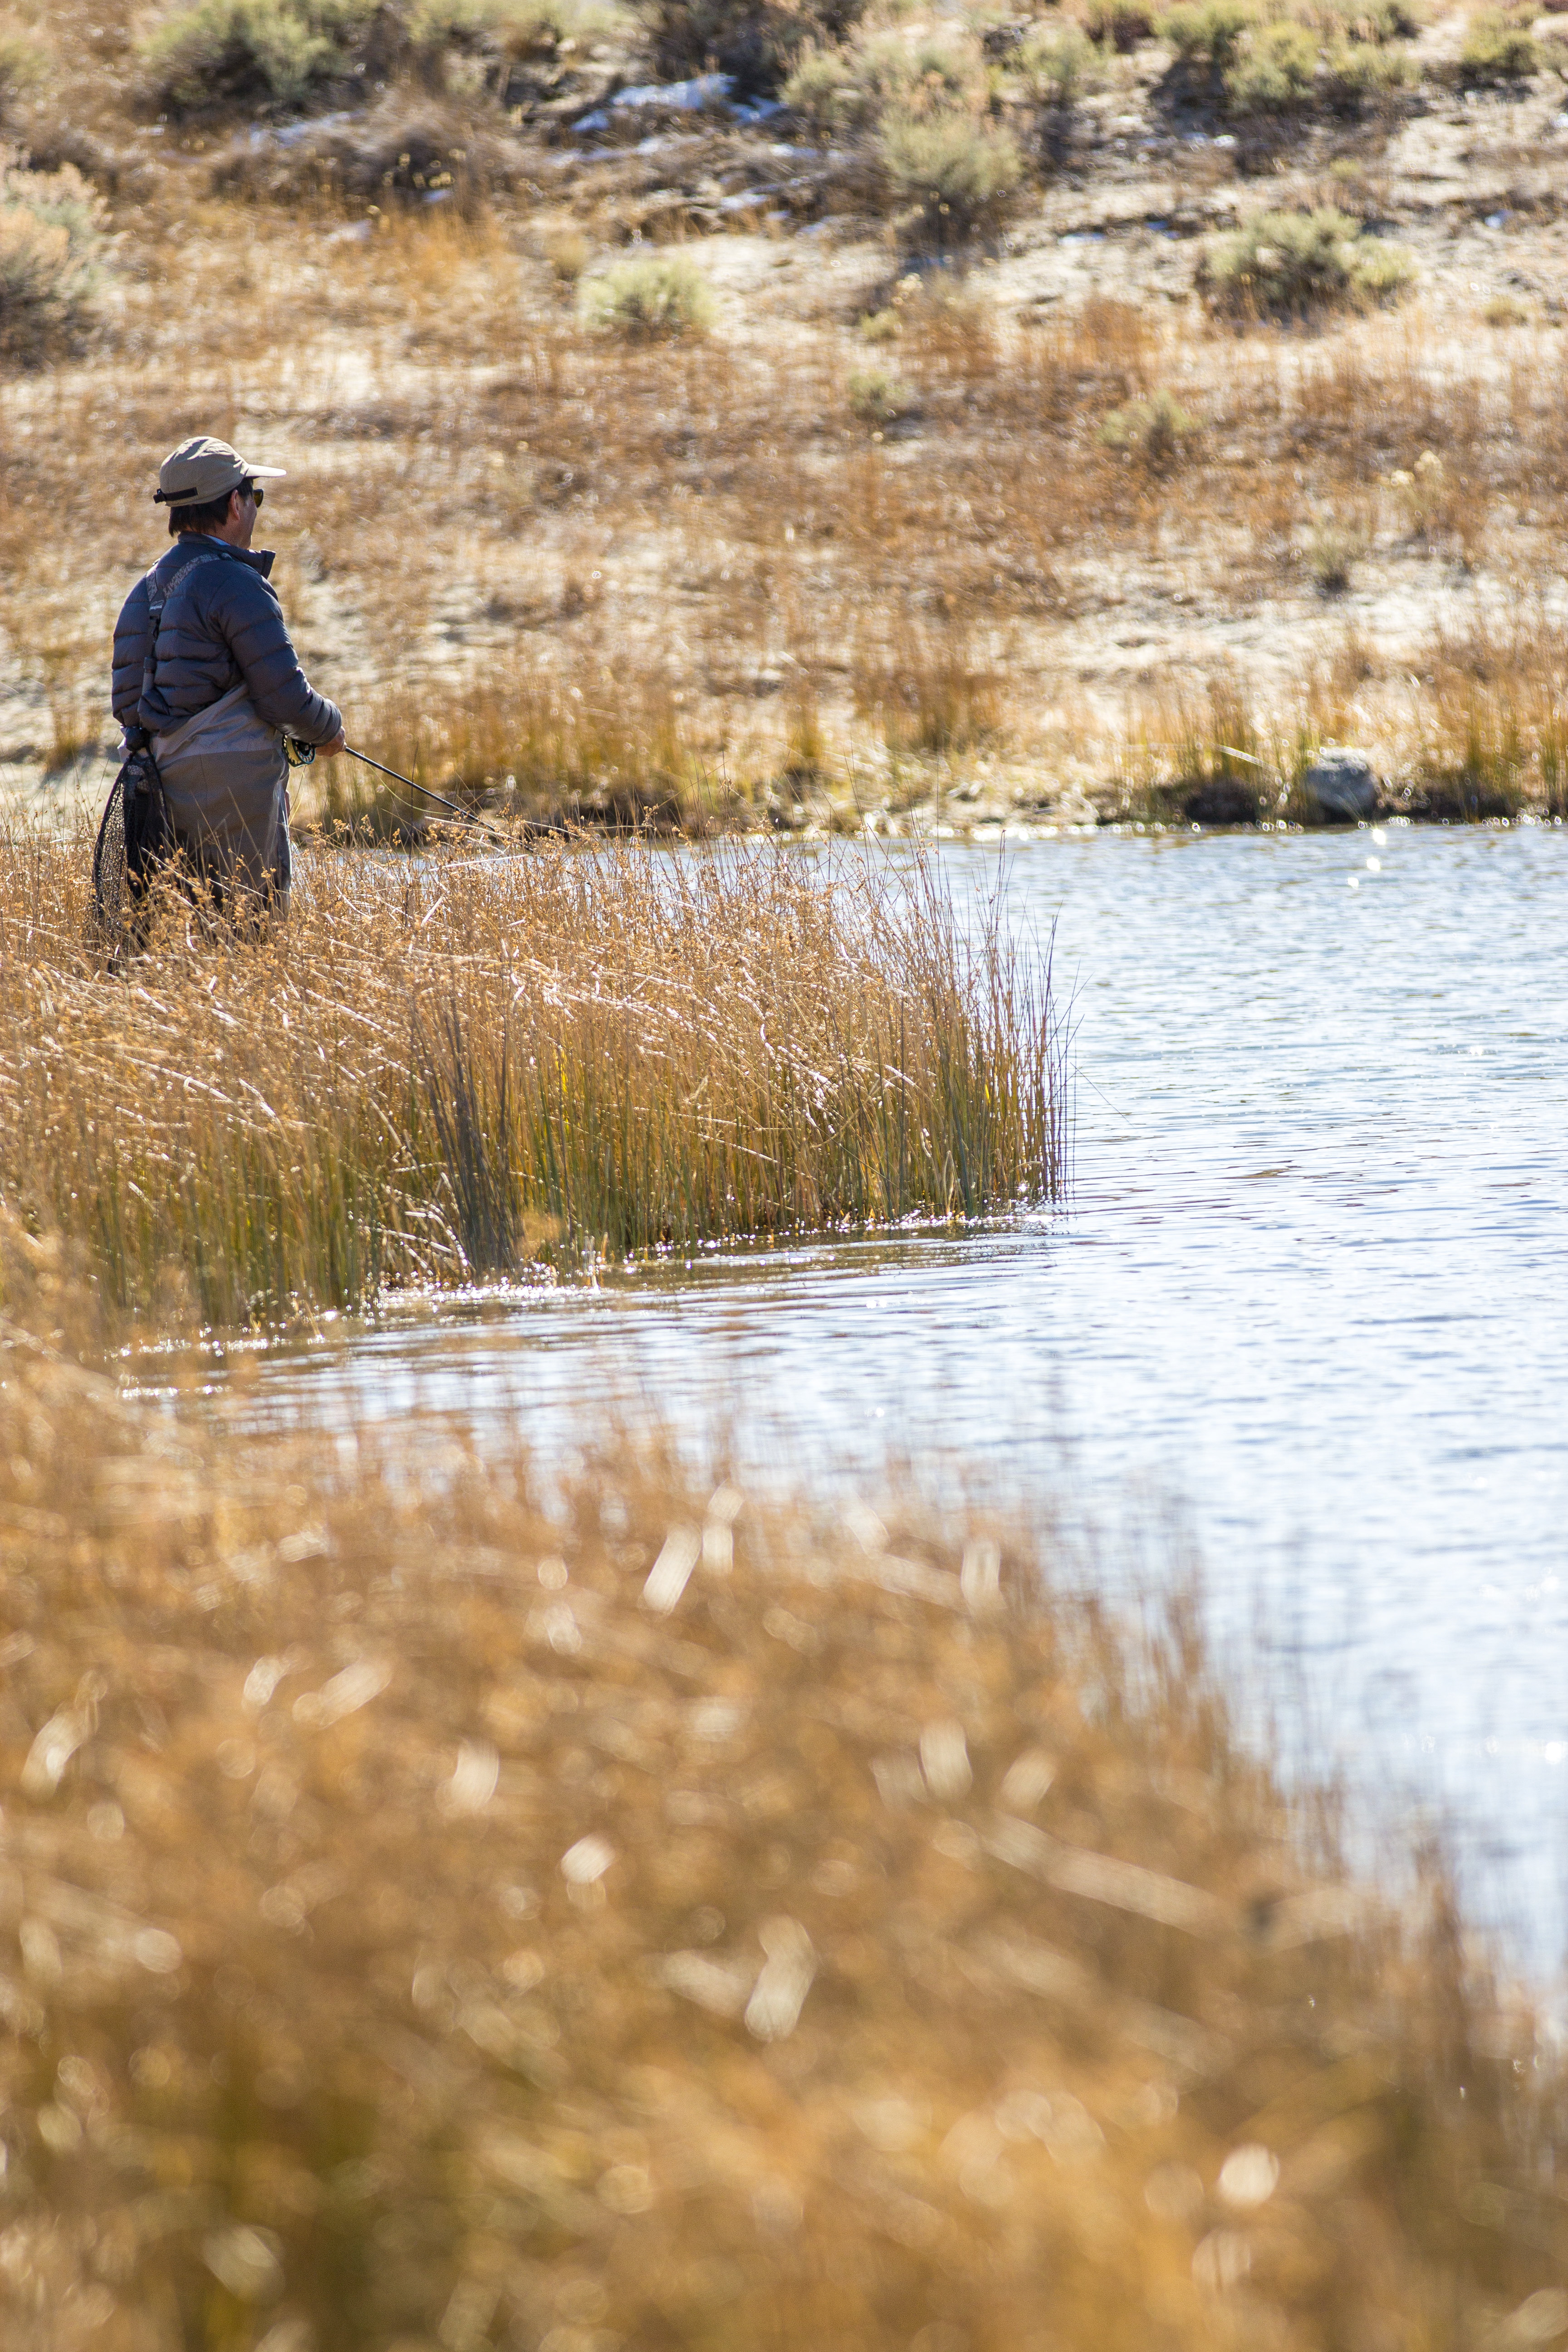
[(225, 785)]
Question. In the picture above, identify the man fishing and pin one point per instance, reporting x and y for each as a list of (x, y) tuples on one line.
[(204, 672)]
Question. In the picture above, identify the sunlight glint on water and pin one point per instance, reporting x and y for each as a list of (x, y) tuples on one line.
[(1309, 1298)]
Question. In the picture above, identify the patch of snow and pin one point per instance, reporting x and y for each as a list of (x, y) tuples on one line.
[(687, 97), (290, 134)]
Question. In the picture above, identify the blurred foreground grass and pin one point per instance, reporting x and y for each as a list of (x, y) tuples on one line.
[(431, 1921)]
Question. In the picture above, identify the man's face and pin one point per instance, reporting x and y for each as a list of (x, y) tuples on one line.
[(241, 517)]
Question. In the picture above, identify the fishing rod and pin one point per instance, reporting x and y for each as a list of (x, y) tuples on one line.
[(302, 755), (466, 816)]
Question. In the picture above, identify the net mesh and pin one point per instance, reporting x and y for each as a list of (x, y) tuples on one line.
[(111, 895)]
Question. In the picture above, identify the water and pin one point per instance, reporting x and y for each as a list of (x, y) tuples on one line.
[(1307, 1297)]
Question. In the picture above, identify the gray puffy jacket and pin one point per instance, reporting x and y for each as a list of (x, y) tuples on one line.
[(221, 621)]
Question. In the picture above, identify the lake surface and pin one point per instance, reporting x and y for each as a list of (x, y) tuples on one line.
[(1305, 1308)]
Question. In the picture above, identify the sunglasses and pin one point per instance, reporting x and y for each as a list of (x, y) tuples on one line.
[(253, 491)]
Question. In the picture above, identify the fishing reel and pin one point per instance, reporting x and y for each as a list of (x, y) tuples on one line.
[(297, 754)]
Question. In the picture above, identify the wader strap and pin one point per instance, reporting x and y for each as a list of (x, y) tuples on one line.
[(157, 597), (167, 746)]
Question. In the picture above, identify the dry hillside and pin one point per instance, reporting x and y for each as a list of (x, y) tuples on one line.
[(776, 414)]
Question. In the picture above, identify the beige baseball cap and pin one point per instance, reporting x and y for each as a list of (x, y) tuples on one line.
[(204, 468)]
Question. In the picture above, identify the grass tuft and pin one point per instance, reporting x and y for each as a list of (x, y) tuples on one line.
[(878, 397), (928, 691), (1155, 432)]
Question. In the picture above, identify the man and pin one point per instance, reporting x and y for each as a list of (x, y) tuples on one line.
[(204, 667)]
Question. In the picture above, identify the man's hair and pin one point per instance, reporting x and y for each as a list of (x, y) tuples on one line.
[(211, 515)]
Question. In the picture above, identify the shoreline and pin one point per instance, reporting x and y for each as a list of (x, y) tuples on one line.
[(63, 804)]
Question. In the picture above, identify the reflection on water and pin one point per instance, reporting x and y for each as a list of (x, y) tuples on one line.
[(1310, 1287)]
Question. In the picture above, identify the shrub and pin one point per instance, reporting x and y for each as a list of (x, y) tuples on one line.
[(959, 171), (857, 85), (1275, 73), (1497, 48), (878, 398), (649, 299), (821, 86), (1281, 262), (1155, 430), (1506, 310), (1284, 265), (1056, 63), (1379, 271), (1384, 20), (489, 39), (1119, 25), (23, 66), (1205, 32), (250, 52), (926, 76), (50, 227), (758, 41), (1354, 71), (1368, 23), (881, 326)]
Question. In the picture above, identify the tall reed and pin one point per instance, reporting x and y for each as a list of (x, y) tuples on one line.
[(446, 1068)]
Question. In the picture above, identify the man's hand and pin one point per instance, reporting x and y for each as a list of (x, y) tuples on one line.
[(330, 750)]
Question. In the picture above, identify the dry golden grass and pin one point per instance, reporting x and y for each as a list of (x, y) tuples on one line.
[(606, 747), (671, 1919), (1470, 725), (451, 1069)]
